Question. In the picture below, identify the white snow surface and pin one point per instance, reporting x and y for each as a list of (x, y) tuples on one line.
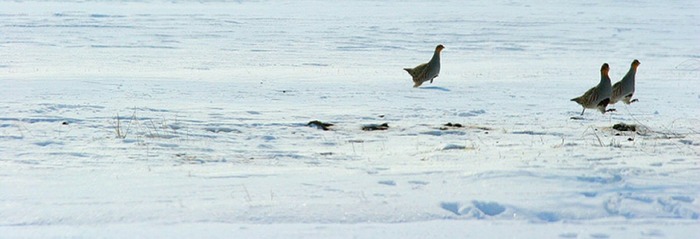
[(183, 119)]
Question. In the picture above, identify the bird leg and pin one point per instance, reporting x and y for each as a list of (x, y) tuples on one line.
[(584, 110)]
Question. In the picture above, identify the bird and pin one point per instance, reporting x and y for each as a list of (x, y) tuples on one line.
[(597, 97), (624, 89), (426, 71)]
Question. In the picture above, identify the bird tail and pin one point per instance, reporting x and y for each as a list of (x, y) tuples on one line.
[(578, 100), (409, 70)]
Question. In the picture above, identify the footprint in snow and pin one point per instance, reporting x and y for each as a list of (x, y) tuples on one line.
[(482, 208), (489, 208), (600, 236), (388, 182), (569, 235)]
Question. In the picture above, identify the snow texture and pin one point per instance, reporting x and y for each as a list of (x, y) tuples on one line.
[(181, 119)]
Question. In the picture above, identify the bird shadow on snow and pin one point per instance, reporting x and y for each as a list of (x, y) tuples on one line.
[(434, 88)]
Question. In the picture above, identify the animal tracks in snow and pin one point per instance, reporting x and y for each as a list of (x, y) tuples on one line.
[(435, 161), (475, 209), (182, 121), (642, 205)]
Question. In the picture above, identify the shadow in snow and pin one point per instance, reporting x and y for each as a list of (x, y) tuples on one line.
[(452, 207), (434, 88)]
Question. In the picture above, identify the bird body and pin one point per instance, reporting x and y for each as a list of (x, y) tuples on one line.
[(597, 97), (624, 89), (426, 71)]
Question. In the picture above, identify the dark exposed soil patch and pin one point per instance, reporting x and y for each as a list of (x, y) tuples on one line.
[(450, 125), (625, 127), (373, 127), (320, 125)]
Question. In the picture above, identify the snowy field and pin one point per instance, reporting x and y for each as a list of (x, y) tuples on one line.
[(178, 119)]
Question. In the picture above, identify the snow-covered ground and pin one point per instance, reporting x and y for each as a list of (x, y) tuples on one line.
[(189, 119)]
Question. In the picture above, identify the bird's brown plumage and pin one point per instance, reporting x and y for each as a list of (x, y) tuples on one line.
[(624, 89), (426, 71), (597, 97)]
